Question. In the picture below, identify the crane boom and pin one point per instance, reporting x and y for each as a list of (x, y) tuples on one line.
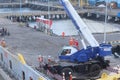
[(79, 24)]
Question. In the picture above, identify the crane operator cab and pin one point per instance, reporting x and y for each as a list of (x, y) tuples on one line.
[(67, 51)]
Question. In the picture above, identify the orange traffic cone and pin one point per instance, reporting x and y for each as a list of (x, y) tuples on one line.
[(70, 76), (63, 76)]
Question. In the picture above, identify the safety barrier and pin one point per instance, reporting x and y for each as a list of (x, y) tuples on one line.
[(17, 68)]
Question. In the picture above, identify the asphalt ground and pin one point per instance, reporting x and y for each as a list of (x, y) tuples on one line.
[(29, 42)]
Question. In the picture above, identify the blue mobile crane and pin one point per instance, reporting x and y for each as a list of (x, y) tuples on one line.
[(89, 60)]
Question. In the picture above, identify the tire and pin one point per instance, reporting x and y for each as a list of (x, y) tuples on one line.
[(94, 70), (66, 71)]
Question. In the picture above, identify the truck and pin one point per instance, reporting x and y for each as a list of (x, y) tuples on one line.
[(88, 61)]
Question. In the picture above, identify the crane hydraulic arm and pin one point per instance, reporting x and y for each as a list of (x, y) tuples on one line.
[(79, 24)]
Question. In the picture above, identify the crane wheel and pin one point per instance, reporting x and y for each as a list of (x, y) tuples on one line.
[(66, 72), (94, 70)]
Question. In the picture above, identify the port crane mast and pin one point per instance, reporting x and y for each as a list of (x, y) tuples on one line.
[(90, 59)]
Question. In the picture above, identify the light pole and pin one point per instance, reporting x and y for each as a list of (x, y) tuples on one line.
[(79, 3), (106, 9), (20, 9), (48, 9), (48, 26)]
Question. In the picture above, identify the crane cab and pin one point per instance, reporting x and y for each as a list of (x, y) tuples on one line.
[(66, 52)]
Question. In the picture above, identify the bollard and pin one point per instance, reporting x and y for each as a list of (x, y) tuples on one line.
[(63, 76), (70, 76)]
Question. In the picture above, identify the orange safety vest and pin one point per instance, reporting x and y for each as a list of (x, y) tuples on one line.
[(76, 43), (63, 34), (71, 42)]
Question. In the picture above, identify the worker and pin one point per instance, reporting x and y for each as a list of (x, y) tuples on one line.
[(31, 78), (5, 31), (63, 35), (40, 58), (34, 27), (71, 41), (67, 52), (3, 43), (27, 24), (76, 44)]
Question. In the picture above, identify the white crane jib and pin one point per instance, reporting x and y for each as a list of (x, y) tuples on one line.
[(79, 24)]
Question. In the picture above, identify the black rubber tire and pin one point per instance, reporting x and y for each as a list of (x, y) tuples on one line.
[(66, 71), (94, 70)]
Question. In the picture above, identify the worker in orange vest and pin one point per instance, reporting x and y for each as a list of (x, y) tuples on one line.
[(63, 35), (76, 44), (71, 41), (70, 78)]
